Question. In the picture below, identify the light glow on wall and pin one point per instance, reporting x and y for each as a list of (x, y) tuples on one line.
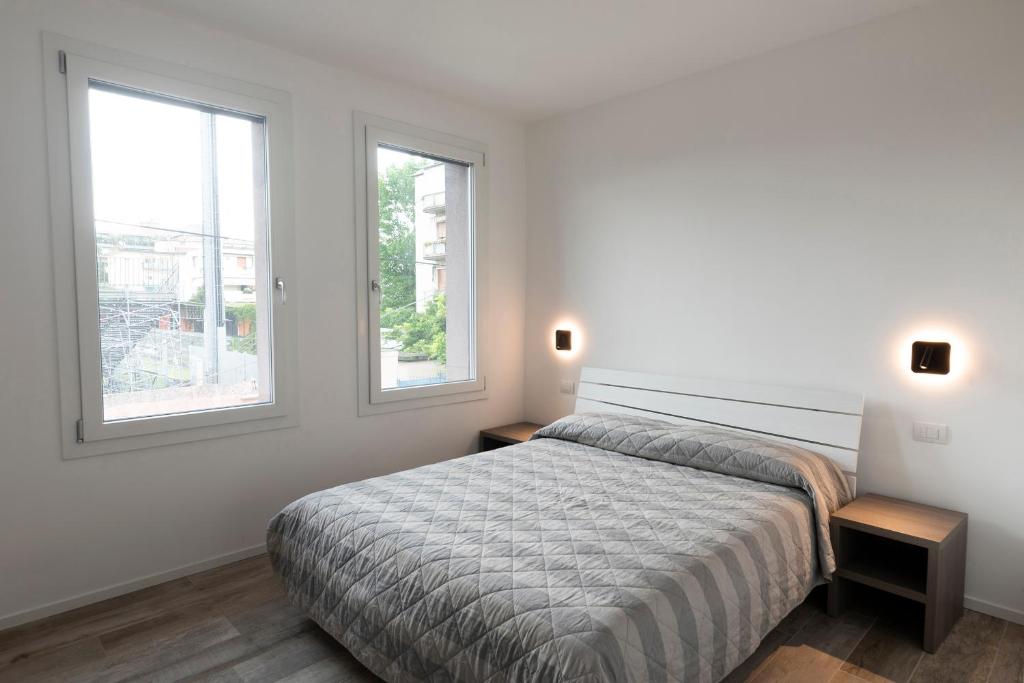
[(577, 338), (959, 355)]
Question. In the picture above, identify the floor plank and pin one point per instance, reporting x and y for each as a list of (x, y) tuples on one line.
[(270, 622), (330, 670), (91, 620), (211, 663), (1009, 664), (967, 654), (889, 652), (145, 659), (287, 657), (816, 651), (845, 677), (233, 624), (82, 657)]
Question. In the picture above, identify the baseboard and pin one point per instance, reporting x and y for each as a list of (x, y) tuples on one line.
[(58, 606), (994, 610)]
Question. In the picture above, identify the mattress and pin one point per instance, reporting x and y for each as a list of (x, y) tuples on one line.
[(607, 548)]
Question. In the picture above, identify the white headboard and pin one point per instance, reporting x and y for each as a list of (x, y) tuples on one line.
[(826, 422)]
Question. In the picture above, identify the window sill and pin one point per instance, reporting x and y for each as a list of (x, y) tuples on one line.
[(366, 408), (73, 450)]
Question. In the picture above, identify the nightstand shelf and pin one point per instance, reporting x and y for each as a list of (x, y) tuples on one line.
[(913, 551), (506, 435), (905, 584)]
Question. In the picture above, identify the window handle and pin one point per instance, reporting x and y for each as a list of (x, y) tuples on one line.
[(279, 286), (374, 286)]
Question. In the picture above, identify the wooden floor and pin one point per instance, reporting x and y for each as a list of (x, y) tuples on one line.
[(233, 624)]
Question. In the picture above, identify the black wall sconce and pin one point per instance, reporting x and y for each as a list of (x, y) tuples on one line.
[(930, 357), (563, 340)]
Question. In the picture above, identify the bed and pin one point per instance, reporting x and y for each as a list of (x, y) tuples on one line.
[(655, 535)]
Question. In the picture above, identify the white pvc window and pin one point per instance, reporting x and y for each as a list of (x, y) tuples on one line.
[(423, 231), (180, 249)]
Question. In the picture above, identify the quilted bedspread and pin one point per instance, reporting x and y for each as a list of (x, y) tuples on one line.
[(608, 548)]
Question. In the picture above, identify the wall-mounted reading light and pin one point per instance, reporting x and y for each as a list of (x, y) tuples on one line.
[(563, 340), (930, 357)]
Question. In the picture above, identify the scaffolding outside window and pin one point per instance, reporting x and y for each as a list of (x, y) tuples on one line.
[(178, 200), (170, 278)]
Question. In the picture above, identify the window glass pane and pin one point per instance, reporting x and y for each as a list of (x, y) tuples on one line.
[(426, 274), (179, 200)]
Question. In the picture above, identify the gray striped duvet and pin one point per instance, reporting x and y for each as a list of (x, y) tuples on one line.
[(608, 548)]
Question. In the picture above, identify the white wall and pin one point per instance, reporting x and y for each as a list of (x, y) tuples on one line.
[(74, 527), (793, 219)]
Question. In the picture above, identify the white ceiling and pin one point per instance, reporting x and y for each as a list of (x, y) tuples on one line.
[(530, 58)]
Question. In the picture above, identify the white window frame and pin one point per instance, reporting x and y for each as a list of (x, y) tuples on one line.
[(70, 64), (368, 132)]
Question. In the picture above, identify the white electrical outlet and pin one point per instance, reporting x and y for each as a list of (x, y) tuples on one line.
[(931, 433), (567, 386)]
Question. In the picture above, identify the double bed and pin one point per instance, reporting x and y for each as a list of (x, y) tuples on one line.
[(621, 543)]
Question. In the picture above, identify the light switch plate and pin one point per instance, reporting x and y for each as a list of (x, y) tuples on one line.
[(567, 386), (931, 433)]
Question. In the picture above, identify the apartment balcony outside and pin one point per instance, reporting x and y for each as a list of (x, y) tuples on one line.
[(433, 203), (435, 250)]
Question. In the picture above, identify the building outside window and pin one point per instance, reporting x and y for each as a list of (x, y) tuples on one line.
[(178, 281), (422, 234)]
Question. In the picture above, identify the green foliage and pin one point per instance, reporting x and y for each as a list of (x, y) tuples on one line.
[(424, 333), (418, 333), (243, 313), (396, 191)]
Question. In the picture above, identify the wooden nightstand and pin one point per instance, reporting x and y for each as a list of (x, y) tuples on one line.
[(914, 551), (496, 437)]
